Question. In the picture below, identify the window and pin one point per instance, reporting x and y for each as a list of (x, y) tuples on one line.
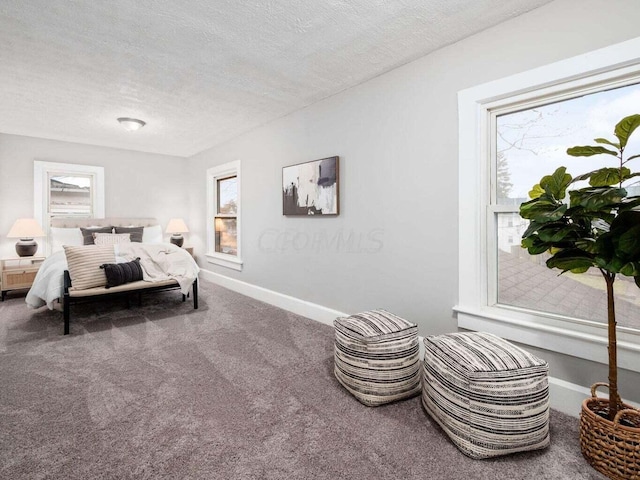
[(67, 190), (226, 218), (223, 215), (530, 143), (512, 132)]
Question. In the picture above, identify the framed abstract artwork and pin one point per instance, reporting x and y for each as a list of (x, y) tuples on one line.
[(311, 188)]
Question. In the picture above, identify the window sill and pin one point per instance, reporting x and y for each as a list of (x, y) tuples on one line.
[(582, 340), (223, 260)]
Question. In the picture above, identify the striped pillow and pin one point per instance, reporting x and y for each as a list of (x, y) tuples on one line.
[(111, 238), (84, 263)]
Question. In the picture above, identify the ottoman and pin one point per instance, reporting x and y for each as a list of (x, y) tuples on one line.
[(489, 396), (377, 357)]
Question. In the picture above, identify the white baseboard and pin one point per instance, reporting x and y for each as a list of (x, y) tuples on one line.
[(286, 302), (565, 397), (568, 397)]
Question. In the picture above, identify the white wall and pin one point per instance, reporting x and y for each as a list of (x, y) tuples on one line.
[(397, 140), (137, 184)]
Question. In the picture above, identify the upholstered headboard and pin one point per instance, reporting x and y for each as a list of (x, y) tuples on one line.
[(103, 222)]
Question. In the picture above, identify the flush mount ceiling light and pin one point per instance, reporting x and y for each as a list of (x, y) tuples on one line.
[(131, 124)]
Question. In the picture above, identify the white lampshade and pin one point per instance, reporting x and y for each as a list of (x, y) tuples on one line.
[(26, 228), (176, 225)]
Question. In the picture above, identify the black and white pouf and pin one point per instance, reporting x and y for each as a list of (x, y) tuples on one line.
[(490, 396), (377, 357)]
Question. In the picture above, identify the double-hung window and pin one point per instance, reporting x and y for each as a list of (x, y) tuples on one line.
[(223, 215), (512, 132), (67, 190)]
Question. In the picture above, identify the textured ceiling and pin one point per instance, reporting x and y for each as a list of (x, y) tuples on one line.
[(200, 72)]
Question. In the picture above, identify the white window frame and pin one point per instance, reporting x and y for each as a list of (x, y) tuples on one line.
[(213, 175), (41, 173), (477, 260)]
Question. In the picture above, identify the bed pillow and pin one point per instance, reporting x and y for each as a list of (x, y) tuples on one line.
[(65, 236), (87, 233), (121, 273), (135, 232), (111, 238), (152, 234), (84, 263)]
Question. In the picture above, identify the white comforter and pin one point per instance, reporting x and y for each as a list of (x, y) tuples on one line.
[(158, 261)]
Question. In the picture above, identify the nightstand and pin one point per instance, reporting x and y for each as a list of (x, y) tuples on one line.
[(17, 273), (189, 249)]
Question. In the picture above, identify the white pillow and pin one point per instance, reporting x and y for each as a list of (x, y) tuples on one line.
[(111, 238), (152, 234), (65, 236)]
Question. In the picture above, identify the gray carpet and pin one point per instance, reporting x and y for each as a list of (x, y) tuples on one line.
[(235, 390)]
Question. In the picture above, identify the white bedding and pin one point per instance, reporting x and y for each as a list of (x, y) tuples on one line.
[(158, 261)]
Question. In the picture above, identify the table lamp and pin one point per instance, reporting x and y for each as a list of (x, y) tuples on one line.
[(176, 228), (26, 229)]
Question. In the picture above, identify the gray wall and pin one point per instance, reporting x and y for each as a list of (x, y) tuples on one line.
[(136, 184), (394, 245), (397, 140)]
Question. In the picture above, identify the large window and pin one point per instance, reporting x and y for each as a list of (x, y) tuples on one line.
[(530, 143), (223, 215), (67, 190), (512, 132)]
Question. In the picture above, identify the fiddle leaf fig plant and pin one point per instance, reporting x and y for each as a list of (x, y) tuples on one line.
[(599, 226)]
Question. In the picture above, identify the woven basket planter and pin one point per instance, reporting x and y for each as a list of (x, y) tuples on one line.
[(611, 447)]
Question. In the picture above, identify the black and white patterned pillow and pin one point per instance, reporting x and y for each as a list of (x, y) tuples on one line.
[(121, 273)]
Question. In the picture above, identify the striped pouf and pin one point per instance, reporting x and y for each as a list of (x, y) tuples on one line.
[(377, 357), (489, 396)]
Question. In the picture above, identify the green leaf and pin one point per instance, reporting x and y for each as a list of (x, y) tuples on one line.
[(534, 245), (631, 269), (572, 259), (584, 176), (542, 209), (588, 151), (626, 127), (580, 269), (625, 235), (606, 177), (632, 157), (557, 183), (608, 142), (536, 191), (629, 243), (629, 203), (532, 228), (587, 244), (597, 198), (560, 233)]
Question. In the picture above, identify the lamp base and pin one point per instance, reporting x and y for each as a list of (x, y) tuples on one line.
[(177, 239), (26, 247)]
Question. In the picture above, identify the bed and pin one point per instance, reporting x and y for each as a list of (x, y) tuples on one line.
[(164, 266)]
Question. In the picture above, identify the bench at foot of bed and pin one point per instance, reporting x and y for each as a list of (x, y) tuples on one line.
[(72, 296)]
